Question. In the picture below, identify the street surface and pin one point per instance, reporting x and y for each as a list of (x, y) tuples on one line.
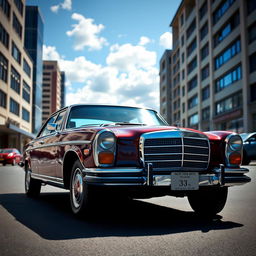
[(159, 226)]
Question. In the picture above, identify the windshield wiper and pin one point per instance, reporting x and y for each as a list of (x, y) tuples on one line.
[(121, 123)]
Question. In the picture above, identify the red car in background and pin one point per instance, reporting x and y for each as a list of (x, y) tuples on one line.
[(10, 156)]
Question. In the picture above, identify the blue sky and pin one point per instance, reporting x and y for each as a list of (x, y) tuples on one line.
[(109, 49)]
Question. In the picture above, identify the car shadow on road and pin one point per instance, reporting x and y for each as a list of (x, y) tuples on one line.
[(51, 218)]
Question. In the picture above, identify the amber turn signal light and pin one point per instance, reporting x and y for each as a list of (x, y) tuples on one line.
[(235, 158), (106, 157)]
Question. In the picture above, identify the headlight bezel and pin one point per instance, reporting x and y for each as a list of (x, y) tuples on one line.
[(234, 144), (104, 142)]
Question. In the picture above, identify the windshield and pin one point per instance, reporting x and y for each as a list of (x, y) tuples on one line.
[(7, 151), (103, 115)]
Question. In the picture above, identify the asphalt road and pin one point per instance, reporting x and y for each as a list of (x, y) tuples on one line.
[(159, 226)]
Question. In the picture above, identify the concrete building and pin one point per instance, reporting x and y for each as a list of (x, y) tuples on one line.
[(214, 64), (63, 90), (165, 89), (15, 77), (34, 45), (51, 88)]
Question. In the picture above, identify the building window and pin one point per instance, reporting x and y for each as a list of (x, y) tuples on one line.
[(204, 31), (16, 25), (5, 6), (46, 85), (182, 19), (4, 36), (206, 114), (183, 107), (14, 107), (19, 6), (3, 99), (16, 54), (222, 8), (251, 6), (192, 65), (228, 79), (203, 10), (192, 83), (191, 28), (15, 80), (227, 54), (183, 74), (3, 68), (48, 67), (193, 101), (25, 115), (253, 92), (205, 51), (226, 29), (182, 40), (26, 92), (183, 91), (252, 33), (46, 78), (229, 104), (163, 67), (183, 57), (252, 62), (26, 68), (191, 47), (205, 72), (205, 93), (193, 119)]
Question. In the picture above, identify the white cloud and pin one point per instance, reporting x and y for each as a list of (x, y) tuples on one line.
[(129, 77), (66, 5), (166, 40), (86, 33), (144, 40)]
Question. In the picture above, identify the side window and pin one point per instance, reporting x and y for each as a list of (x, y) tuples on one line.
[(60, 119), (45, 131)]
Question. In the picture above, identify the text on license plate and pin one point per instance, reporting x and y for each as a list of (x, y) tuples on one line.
[(184, 181)]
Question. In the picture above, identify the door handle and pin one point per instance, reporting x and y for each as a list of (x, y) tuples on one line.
[(41, 142)]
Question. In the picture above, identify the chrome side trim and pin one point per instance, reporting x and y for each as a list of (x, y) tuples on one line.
[(72, 142), (47, 178), (113, 170)]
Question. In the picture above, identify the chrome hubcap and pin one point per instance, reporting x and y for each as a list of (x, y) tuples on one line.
[(77, 188), (27, 180)]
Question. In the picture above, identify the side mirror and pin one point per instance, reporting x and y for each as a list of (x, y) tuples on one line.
[(51, 127)]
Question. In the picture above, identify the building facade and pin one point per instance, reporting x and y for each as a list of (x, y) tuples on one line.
[(15, 77), (63, 90), (165, 89), (51, 88), (34, 45), (214, 64)]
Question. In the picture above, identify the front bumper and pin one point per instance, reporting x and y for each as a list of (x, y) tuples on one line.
[(221, 176)]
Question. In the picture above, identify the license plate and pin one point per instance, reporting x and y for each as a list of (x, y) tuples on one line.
[(184, 181)]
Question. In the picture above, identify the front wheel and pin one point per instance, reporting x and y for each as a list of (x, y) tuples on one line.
[(32, 186), (80, 192), (208, 203)]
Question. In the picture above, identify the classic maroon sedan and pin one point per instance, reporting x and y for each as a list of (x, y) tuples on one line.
[(10, 156), (91, 149)]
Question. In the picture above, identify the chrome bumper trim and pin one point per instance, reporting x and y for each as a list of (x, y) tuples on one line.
[(147, 177)]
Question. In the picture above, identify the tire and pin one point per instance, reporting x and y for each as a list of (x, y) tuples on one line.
[(32, 186), (208, 203), (80, 191)]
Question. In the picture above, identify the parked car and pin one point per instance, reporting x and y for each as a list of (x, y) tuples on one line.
[(130, 151), (10, 156), (249, 146)]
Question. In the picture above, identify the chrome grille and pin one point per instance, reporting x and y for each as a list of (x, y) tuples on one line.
[(175, 150)]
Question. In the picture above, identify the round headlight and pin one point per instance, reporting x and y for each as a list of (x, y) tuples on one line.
[(106, 140), (235, 142)]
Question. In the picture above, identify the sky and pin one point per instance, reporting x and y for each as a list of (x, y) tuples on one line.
[(109, 49)]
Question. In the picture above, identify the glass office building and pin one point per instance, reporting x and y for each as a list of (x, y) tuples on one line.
[(34, 45)]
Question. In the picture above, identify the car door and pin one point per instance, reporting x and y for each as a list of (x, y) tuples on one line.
[(45, 150), (251, 145)]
